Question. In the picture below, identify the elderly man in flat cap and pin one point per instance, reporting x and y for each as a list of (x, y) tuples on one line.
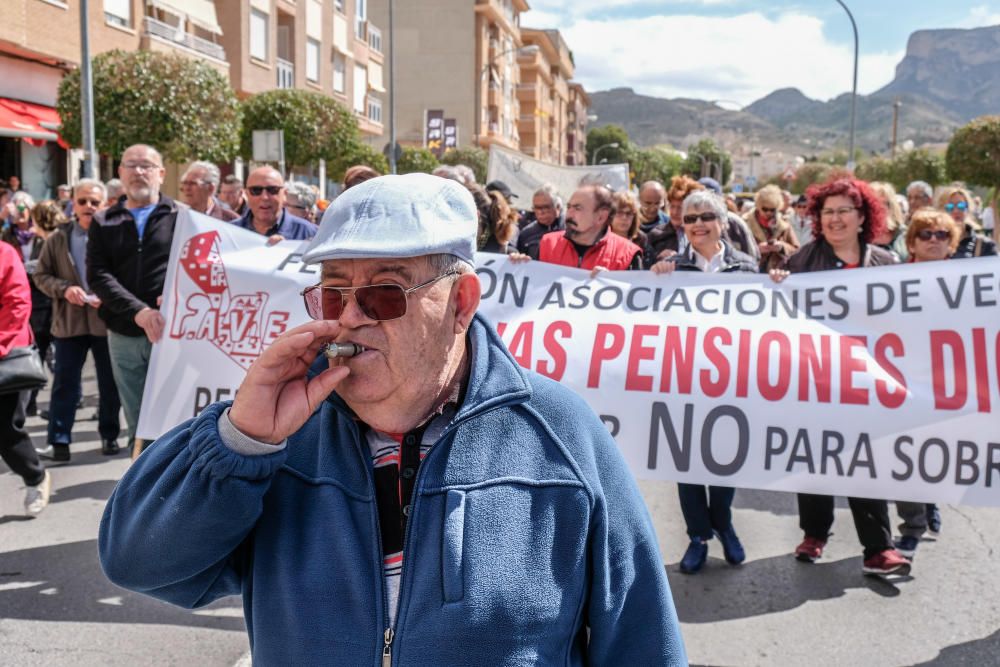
[(423, 501)]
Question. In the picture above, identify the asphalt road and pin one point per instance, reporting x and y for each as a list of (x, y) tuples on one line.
[(57, 608)]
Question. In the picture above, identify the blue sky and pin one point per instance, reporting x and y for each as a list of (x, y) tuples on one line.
[(740, 50)]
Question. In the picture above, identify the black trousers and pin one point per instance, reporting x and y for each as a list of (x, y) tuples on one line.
[(871, 520), (16, 449)]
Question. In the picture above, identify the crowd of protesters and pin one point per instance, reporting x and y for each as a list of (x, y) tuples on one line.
[(84, 273)]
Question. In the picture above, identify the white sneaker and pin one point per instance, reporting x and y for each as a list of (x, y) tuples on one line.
[(37, 497)]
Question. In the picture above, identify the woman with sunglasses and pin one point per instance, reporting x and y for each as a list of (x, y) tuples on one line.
[(931, 236), (626, 223), (707, 510), (848, 217), (955, 201), (772, 231), (76, 327)]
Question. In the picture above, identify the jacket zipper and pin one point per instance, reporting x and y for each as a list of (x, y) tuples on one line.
[(387, 648), (389, 633)]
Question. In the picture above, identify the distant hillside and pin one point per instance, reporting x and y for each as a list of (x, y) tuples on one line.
[(946, 78)]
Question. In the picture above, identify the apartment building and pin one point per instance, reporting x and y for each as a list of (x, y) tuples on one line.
[(329, 46), (576, 125), (325, 45), (544, 93), (457, 57)]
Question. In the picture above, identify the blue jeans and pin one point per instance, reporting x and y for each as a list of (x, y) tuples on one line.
[(130, 361), (71, 353), (705, 513)]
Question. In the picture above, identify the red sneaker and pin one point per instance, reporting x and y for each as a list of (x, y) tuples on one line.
[(810, 550), (889, 561)]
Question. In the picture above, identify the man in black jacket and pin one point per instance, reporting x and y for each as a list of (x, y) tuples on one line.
[(127, 255), (547, 207)]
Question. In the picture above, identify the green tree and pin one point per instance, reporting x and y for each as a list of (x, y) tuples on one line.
[(416, 160), (363, 154), (809, 174), (602, 138), (653, 164), (316, 127), (918, 165), (877, 169), (974, 152), (182, 106), (471, 156), (704, 159)]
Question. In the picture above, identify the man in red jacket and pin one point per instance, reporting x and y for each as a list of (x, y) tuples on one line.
[(587, 242)]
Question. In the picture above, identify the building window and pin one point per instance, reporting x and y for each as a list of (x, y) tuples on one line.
[(375, 110), (312, 60), (360, 88), (339, 72), (360, 17), (258, 34), (118, 12), (339, 5)]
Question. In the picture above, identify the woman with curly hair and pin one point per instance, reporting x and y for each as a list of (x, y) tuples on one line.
[(847, 217)]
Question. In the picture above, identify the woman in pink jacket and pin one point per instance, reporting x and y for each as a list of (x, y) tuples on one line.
[(15, 331)]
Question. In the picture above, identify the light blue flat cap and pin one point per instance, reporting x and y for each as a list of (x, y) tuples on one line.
[(397, 216)]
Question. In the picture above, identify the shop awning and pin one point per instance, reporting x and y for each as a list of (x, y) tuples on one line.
[(34, 123)]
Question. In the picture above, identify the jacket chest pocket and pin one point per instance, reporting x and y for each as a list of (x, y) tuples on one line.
[(513, 549)]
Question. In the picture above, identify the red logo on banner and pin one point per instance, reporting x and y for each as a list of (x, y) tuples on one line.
[(237, 324)]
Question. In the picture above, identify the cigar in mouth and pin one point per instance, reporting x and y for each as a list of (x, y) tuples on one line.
[(334, 350)]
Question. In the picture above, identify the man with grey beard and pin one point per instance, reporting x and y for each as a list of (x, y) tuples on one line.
[(127, 255)]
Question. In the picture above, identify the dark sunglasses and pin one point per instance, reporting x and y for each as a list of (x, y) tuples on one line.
[(83, 201), (377, 302), (704, 217), (258, 190), (961, 206), (927, 235)]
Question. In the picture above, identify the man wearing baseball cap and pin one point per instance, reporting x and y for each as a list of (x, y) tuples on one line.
[(423, 501)]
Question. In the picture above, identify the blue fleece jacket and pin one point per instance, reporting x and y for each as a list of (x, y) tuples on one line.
[(526, 532)]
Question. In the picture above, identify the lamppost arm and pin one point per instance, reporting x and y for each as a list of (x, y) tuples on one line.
[(597, 152), (854, 90)]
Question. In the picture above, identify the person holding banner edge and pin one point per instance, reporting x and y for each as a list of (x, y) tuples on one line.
[(847, 217), (707, 512), (932, 236), (524, 534)]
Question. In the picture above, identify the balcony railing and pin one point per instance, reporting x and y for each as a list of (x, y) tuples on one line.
[(286, 73), (178, 36)]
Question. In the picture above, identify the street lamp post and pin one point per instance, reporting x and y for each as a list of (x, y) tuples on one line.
[(521, 51), (854, 90), (597, 152), (392, 93), (87, 96)]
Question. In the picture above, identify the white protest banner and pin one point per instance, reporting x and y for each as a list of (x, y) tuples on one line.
[(879, 383), (226, 296), (524, 175), (875, 383)]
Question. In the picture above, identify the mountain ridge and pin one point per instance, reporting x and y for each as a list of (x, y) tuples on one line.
[(946, 78)]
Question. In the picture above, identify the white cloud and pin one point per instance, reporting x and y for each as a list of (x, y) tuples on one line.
[(981, 16), (739, 58)]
